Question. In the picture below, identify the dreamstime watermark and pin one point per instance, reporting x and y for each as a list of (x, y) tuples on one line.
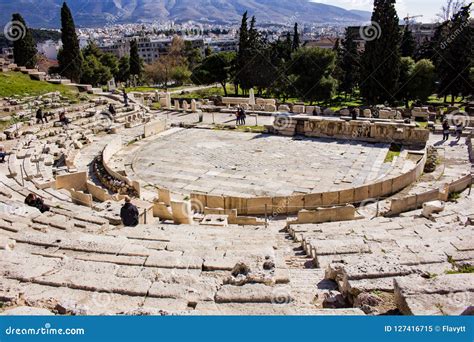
[(370, 32), (459, 299), (102, 299), (369, 208), (193, 206), (14, 30), (281, 296), (283, 122), (452, 37), (459, 118), (46, 330)]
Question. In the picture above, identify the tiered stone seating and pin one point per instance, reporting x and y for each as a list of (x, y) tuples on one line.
[(369, 255)]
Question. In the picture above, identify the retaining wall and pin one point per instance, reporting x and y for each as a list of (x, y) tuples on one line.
[(294, 204)]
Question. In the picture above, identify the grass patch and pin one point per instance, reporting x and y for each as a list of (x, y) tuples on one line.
[(422, 124), (206, 93), (155, 106), (391, 156), (18, 84), (144, 89), (253, 129), (462, 270), (454, 196), (394, 151)]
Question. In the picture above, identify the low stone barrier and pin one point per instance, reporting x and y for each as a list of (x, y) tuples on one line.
[(294, 204), (416, 201), (154, 128), (321, 215)]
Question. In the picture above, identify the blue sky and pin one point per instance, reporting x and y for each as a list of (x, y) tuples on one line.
[(428, 8)]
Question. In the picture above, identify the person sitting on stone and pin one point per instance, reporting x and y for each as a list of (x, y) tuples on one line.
[(112, 110), (129, 213), (34, 201), (40, 117), (3, 154), (63, 119)]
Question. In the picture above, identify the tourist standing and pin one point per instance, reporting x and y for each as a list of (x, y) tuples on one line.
[(445, 130), (3, 154), (129, 213), (459, 129), (40, 117), (125, 97), (243, 116), (238, 117)]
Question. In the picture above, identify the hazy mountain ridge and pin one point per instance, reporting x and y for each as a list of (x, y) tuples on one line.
[(45, 13)]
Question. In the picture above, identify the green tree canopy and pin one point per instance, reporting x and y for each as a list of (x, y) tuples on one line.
[(216, 68), (312, 68)]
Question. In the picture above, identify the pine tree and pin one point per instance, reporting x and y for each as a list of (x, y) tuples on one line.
[(408, 45), (296, 39), (70, 57), (135, 60), (381, 59), (24, 48)]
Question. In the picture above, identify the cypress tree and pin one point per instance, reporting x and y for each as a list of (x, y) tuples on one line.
[(408, 45), (288, 46), (135, 61), (456, 54), (381, 59), (70, 57), (296, 39), (24, 48), (242, 54)]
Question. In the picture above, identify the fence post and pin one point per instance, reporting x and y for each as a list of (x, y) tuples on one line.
[(266, 216)]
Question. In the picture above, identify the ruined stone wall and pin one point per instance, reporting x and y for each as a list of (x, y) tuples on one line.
[(361, 130)]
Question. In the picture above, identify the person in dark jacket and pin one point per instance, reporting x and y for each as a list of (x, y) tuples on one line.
[(129, 213), (34, 201), (445, 130), (112, 110), (40, 117)]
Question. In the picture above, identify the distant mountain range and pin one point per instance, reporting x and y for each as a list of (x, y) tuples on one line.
[(95, 13)]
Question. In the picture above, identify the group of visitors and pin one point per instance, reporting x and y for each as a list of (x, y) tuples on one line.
[(240, 117), (42, 117), (446, 130)]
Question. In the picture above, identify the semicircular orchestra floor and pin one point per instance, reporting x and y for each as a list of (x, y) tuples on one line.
[(247, 164)]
